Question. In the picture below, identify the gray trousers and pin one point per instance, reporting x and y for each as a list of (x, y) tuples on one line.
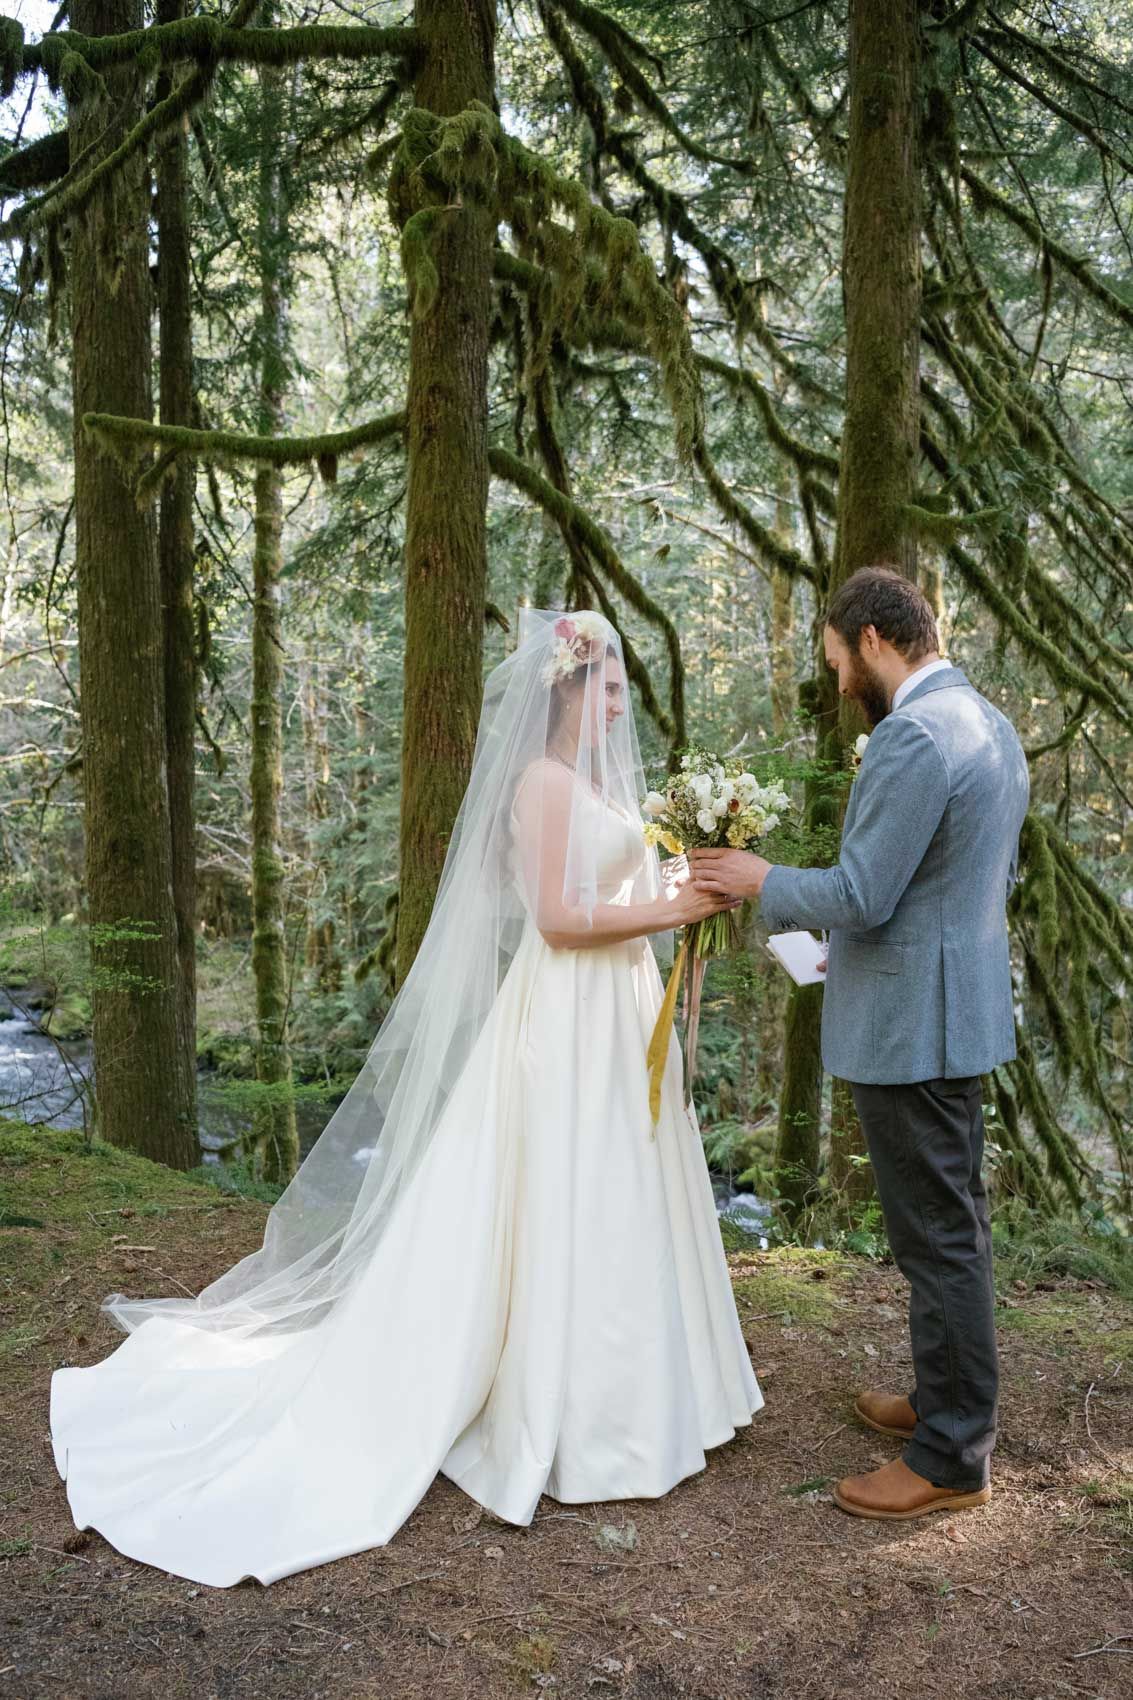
[(926, 1143)]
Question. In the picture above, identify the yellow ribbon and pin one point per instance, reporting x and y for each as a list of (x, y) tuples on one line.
[(657, 1054)]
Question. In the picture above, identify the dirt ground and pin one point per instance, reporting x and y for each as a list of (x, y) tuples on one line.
[(745, 1582)]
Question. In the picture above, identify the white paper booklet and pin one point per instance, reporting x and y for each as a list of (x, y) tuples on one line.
[(799, 954)]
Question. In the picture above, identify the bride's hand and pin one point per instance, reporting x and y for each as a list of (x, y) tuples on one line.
[(675, 873), (690, 904)]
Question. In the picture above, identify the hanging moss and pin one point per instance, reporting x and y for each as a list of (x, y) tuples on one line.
[(1028, 1179), (1063, 1164), (11, 54)]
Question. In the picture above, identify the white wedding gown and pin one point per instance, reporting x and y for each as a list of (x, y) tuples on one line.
[(562, 1318)]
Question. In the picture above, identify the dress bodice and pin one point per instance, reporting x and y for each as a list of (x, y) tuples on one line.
[(618, 847)]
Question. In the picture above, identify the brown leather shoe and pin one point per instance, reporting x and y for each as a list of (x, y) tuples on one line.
[(888, 1413), (895, 1492)]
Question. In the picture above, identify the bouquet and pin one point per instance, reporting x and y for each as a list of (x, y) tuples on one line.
[(713, 802)]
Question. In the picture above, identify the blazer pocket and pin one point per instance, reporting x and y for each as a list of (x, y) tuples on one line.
[(873, 956)]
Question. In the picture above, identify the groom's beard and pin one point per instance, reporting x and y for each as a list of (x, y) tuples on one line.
[(868, 690)]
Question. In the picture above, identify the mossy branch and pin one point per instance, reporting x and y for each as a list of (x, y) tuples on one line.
[(1063, 1162), (209, 41), (767, 544), (806, 458), (1068, 115), (1013, 40), (36, 166), (440, 160), (233, 447), (1031, 1182), (570, 516), (70, 197), (929, 525), (1013, 620), (984, 196), (619, 48)]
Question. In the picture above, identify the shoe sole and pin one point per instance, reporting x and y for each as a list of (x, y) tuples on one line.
[(883, 1428), (957, 1502)]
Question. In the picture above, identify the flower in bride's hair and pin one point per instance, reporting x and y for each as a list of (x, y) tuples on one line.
[(579, 639), (593, 626)]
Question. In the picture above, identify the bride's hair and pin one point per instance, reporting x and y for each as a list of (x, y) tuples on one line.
[(566, 687)]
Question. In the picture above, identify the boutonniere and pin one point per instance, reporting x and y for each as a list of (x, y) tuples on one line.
[(857, 753)]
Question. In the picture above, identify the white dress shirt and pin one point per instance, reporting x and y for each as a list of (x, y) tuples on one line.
[(906, 685)]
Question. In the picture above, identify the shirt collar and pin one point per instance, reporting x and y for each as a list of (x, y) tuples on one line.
[(915, 678)]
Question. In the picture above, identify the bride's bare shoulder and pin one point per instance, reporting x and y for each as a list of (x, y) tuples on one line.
[(544, 778)]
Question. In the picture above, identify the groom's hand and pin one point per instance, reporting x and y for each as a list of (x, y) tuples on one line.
[(728, 873)]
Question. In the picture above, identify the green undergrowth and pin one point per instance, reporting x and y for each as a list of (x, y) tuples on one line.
[(64, 1202), (792, 1281), (1032, 1248), (1069, 1322)]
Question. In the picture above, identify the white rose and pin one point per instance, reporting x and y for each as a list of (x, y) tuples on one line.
[(860, 743), (706, 820), (701, 787), (720, 807), (655, 804), (590, 625)]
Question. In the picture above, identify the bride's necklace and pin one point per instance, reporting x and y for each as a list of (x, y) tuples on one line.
[(562, 760)]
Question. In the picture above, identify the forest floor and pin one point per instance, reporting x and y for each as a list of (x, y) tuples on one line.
[(743, 1583)]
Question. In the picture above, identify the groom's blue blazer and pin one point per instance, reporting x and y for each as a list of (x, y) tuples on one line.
[(918, 982)]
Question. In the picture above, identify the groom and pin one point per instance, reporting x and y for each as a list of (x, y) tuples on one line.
[(918, 1005)]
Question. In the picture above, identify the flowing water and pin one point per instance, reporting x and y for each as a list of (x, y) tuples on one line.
[(43, 1080)]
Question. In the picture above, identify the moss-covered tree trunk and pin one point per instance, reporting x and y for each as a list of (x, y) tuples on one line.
[(447, 445), (798, 1009), (175, 548), (139, 1069), (322, 957), (275, 1138), (881, 279), (774, 988)]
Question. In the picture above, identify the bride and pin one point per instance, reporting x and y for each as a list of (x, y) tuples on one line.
[(490, 1264)]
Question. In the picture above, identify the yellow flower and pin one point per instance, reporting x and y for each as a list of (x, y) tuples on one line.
[(656, 834)]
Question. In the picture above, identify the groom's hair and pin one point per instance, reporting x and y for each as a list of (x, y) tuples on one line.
[(885, 599)]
